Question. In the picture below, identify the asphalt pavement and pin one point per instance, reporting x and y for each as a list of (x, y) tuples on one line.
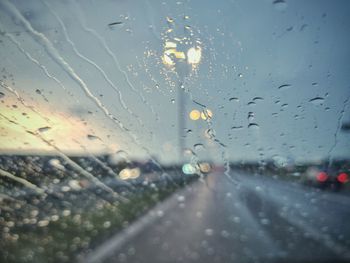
[(238, 218)]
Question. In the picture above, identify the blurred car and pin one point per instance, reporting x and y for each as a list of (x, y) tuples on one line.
[(325, 178)]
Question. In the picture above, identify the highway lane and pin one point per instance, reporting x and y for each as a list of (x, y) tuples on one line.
[(260, 219)]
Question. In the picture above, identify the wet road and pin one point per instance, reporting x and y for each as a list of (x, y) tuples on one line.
[(259, 219)]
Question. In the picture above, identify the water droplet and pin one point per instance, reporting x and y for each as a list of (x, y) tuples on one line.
[(279, 5), (118, 157), (257, 98), (240, 75), (265, 221), (236, 219), (250, 116), (169, 19), (55, 218), (92, 137), (44, 129), (43, 223), (74, 184), (234, 99), (284, 86), (236, 127), (66, 212), (206, 114), (251, 103), (198, 146), (253, 126), (188, 151), (180, 198), (209, 232), (303, 27), (172, 101), (210, 133), (317, 100), (107, 224), (225, 234), (56, 164), (38, 91)]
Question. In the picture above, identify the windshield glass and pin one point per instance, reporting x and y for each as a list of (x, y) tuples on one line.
[(174, 131)]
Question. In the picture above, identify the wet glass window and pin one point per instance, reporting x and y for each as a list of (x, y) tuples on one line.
[(174, 131)]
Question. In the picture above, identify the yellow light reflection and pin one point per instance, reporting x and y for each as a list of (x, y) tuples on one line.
[(179, 55), (167, 60), (195, 115), (206, 114), (128, 173), (170, 54), (170, 44), (194, 55), (205, 167)]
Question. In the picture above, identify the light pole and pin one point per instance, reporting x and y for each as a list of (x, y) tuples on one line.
[(181, 119), (181, 63)]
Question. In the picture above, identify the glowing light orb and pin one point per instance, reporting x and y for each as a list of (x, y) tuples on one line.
[(195, 115)]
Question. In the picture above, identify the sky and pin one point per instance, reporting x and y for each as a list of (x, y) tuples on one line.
[(108, 76)]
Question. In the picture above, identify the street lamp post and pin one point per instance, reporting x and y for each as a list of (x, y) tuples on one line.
[(181, 61), (181, 120)]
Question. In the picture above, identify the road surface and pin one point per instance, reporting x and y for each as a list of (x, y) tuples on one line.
[(260, 219)]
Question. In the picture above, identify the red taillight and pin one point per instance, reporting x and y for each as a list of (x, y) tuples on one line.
[(343, 178), (321, 177)]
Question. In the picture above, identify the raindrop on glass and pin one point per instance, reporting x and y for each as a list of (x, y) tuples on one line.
[(250, 116), (209, 232), (44, 129), (198, 146), (254, 126), (279, 5), (317, 100), (284, 87), (92, 137), (234, 99)]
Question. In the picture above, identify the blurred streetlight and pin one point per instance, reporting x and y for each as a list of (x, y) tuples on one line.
[(195, 115), (206, 114), (178, 55)]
